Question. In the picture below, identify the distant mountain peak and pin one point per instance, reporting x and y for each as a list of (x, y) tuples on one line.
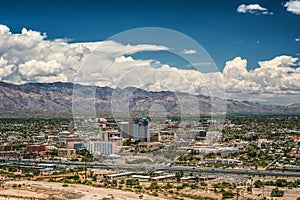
[(58, 96)]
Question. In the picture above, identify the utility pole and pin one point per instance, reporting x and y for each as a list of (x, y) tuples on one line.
[(85, 171), (85, 168), (263, 191), (251, 186), (19, 163)]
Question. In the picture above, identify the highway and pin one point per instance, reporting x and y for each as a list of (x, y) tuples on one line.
[(232, 171), (147, 167)]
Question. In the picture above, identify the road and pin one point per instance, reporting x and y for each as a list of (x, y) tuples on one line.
[(232, 171), (147, 167)]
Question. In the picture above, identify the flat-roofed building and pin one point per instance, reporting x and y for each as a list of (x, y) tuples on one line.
[(141, 177), (155, 135), (148, 146), (62, 152), (35, 148), (62, 136), (71, 145), (106, 135), (100, 147), (163, 177), (118, 175), (8, 154)]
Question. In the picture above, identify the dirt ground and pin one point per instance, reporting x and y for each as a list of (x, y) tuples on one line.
[(289, 194), (52, 190), (48, 190)]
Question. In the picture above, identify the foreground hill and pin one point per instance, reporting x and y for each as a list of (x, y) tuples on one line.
[(58, 97)]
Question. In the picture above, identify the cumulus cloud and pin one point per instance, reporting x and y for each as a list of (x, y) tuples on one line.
[(33, 68), (293, 6), (188, 51), (29, 57), (5, 68), (279, 61), (277, 77), (253, 9)]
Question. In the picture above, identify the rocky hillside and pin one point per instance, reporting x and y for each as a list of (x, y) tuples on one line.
[(59, 97)]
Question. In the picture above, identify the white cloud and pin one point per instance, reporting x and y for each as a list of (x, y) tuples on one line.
[(33, 68), (235, 67), (5, 68), (30, 57), (297, 39), (123, 59), (253, 9), (279, 61), (278, 77), (293, 6), (188, 51)]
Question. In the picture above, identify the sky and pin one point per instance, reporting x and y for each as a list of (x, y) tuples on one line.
[(255, 45)]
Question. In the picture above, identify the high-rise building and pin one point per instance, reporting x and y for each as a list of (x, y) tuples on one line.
[(144, 133), (129, 130), (123, 128), (134, 131)]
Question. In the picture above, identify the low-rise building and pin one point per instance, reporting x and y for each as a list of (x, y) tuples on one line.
[(8, 154), (148, 146), (62, 152), (155, 135), (98, 147), (35, 148)]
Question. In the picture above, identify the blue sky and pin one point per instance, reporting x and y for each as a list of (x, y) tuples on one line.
[(255, 45), (215, 24)]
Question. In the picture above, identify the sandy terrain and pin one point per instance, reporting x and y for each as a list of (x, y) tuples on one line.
[(46, 190), (289, 194)]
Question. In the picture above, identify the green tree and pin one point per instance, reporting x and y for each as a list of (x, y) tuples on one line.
[(94, 177), (154, 186), (258, 184), (132, 182), (277, 193), (179, 175), (281, 183), (227, 194)]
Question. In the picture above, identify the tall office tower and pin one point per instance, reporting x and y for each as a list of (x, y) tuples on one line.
[(123, 128), (144, 133), (134, 131)]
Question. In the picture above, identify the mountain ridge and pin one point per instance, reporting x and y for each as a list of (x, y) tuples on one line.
[(59, 96)]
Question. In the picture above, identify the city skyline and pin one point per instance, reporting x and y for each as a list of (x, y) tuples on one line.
[(195, 99)]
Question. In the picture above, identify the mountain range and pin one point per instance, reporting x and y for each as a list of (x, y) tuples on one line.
[(62, 96)]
